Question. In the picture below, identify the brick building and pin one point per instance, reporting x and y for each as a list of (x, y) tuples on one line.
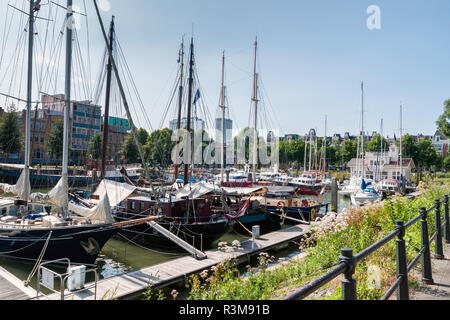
[(118, 129), (41, 124)]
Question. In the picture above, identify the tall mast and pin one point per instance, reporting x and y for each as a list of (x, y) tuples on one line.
[(382, 151), (255, 100), (180, 107), (69, 39), (107, 99), (401, 143), (310, 151), (222, 105), (363, 173), (124, 99), (304, 159), (325, 148), (29, 96), (315, 151), (188, 147)]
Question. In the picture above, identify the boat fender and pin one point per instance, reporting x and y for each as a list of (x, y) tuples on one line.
[(313, 214), (281, 204)]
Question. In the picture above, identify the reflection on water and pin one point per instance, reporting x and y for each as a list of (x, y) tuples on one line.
[(120, 255)]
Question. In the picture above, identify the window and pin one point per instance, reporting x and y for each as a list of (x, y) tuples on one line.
[(142, 206), (133, 205)]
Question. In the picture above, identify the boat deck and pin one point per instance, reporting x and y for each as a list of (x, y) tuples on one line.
[(133, 284), (12, 288)]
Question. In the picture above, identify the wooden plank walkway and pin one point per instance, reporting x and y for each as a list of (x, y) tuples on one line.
[(133, 284), (12, 288)]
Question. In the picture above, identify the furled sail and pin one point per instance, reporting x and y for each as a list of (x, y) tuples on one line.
[(100, 213), (59, 194), (23, 185), (116, 191), (21, 188)]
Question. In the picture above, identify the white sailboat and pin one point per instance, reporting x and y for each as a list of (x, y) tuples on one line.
[(364, 193), (30, 232)]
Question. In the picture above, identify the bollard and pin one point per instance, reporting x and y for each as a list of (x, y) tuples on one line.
[(256, 232), (348, 283), (402, 267), (439, 253), (446, 221), (427, 274), (334, 196)]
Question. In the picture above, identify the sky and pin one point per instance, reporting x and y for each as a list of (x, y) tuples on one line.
[(312, 57)]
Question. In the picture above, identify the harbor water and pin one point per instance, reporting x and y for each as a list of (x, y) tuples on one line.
[(120, 255)]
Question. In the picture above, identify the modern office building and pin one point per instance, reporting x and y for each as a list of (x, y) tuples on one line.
[(196, 124)]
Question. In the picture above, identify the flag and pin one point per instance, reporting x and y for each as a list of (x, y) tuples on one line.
[(395, 138), (240, 213), (197, 96), (323, 190)]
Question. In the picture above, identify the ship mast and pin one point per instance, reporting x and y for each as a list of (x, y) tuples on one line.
[(325, 148), (255, 100), (180, 107), (107, 100), (33, 6), (68, 73), (124, 100), (363, 172), (401, 146), (188, 148), (222, 106)]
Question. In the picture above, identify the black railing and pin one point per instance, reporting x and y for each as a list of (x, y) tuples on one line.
[(348, 261)]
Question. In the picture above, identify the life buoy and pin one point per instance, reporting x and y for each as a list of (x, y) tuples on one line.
[(313, 214), (281, 204)]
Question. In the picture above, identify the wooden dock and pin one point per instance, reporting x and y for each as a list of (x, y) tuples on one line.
[(133, 284), (12, 288)]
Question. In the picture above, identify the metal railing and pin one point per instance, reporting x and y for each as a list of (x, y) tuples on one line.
[(348, 261), (46, 276)]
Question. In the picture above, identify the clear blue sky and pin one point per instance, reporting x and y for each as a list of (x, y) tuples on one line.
[(313, 56)]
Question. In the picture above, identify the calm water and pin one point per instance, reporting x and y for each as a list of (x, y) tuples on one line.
[(119, 255)]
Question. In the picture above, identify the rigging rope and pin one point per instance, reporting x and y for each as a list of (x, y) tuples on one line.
[(39, 260)]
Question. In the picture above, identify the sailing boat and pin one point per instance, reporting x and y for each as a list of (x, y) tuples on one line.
[(28, 230), (364, 193), (190, 217)]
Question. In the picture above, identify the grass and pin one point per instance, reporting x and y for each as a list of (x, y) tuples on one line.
[(356, 228)]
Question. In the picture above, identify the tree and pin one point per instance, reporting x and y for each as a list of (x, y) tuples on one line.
[(94, 150), (142, 136), (130, 151), (10, 135), (443, 121), (334, 153), (428, 156), (349, 150), (410, 148), (446, 163), (375, 144), (159, 146), (54, 143)]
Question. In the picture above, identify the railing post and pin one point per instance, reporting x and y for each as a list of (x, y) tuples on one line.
[(348, 283), (439, 253), (446, 221), (427, 274), (402, 268)]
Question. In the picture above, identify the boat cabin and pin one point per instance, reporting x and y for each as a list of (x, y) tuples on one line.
[(174, 208)]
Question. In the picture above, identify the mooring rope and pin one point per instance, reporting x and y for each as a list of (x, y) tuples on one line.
[(148, 249), (38, 261)]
